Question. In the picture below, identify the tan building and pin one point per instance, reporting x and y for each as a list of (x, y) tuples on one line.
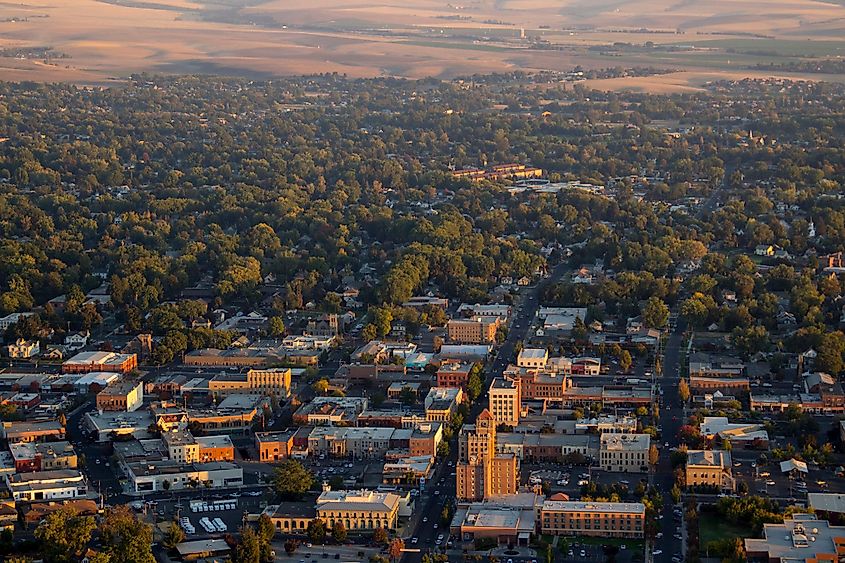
[(270, 382), (442, 402), (26, 431), (274, 446), (504, 400), (597, 519), (87, 362), (626, 453), (23, 349), (359, 510), (481, 472), (182, 446), (124, 396), (532, 358), (709, 467), (480, 330), (42, 456)]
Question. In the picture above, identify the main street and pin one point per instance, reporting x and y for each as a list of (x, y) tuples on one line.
[(671, 419), (672, 416), (430, 504)]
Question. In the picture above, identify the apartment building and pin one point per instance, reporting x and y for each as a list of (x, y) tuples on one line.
[(710, 468), (504, 400), (481, 472), (626, 453), (125, 396), (270, 382), (478, 330), (597, 519)]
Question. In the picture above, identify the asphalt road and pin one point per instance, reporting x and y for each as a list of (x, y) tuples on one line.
[(671, 419), (430, 505)]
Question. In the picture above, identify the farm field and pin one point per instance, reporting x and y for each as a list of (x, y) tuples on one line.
[(103, 41)]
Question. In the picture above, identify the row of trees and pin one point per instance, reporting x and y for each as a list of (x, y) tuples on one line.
[(64, 535)]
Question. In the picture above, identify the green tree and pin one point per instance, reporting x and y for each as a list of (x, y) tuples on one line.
[(265, 530), (125, 538), (291, 545), (276, 327), (291, 480), (382, 319), (64, 533), (653, 455), (380, 536), (474, 382), (174, 536), (248, 548), (625, 360), (321, 386), (655, 313), (829, 356), (316, 530), (369, 332), (339, 532)]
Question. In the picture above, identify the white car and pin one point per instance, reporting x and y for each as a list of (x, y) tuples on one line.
[(657, 552)]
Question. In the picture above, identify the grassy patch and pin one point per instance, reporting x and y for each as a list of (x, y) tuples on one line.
[(775, 47), (712, 527)]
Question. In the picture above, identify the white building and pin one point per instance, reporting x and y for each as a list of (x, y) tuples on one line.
[(172, 475), (77, 340), (532, 358), (47, 485), (11, 319)]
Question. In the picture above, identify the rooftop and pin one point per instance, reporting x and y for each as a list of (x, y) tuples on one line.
[(533, 353), (798, 539), (617, 442), (709, 458), (580, 506)]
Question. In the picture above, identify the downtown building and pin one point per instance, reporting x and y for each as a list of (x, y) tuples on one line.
[(481, 472)]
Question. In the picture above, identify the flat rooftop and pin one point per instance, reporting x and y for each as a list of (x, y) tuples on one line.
[(602, 507)]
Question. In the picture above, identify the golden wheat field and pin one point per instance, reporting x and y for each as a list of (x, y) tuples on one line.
[(103, 41)]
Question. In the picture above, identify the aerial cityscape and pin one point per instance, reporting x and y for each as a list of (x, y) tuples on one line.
[(588, 309)]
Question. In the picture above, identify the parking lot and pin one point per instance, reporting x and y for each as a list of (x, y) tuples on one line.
[(230, 509)]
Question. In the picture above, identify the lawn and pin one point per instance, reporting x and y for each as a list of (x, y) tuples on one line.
[(711, 528)]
